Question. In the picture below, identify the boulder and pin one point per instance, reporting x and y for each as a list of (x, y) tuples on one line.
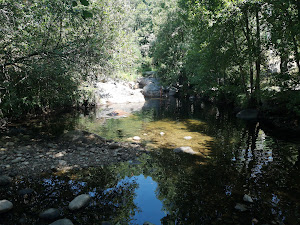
[(187, 150), (79, 202), (50, 214), (247, 114), (5, 206), (118, 93), (148, 80), (62, 222), (152, 90)]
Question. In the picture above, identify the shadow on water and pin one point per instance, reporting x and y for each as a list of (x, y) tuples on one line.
[(164, 187)]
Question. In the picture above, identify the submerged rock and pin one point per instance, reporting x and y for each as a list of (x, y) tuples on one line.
[(248, 114), (5, 206), (187, 150), (5, 180), (187, 138), (247, 198), (62, 222), (50, 214), (241, 207), (136, 138), (25, 191), (79, 202)]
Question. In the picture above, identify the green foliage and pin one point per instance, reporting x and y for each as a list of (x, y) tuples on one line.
[(225, 49), (48, 48)]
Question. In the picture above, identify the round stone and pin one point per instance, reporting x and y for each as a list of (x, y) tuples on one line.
[(5, 206), (79, 202)]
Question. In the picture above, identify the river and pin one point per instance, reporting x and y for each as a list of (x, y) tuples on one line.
[(239, 172)]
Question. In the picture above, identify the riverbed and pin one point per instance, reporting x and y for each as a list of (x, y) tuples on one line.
[(237, 172)]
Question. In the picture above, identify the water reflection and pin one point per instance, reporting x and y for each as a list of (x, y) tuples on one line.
[(240, 158)]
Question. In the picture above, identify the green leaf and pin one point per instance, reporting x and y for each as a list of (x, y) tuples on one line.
[(87, 14), (84, 2), (74, 4)]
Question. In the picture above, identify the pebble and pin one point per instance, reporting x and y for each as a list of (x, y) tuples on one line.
[(62, 162), (136, 138), (241, 207), (16, 160), (162, 133), (187, 137), (59, 155), (247, 198), (188, 150), (62, 222), (79, 202), (5, 206)]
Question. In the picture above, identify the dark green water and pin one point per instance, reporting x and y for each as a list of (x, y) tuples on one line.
[(234, 158)]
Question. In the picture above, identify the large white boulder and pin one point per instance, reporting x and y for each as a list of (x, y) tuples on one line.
[(116, 93)]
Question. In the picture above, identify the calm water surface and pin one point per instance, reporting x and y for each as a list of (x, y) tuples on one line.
[(233, 158)]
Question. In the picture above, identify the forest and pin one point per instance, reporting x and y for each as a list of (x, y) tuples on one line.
[(239, 52)]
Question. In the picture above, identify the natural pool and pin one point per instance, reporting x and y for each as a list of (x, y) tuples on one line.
[(233, 158)]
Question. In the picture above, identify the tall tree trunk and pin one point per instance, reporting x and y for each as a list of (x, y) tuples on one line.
[(258, 55), (250, 49), (297, 57), (242, 74), (283, 62), (251, 78)]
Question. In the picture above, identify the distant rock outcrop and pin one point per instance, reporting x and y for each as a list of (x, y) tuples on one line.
[(115, 93)]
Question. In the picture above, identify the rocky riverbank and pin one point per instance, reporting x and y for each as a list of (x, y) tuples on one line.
[(26, 156)]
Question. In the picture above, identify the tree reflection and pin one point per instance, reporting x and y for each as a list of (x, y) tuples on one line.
[(111, 201)]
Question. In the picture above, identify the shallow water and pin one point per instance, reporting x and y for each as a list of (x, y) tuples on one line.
[(233, 158)]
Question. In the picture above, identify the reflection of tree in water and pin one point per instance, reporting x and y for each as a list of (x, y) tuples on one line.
[(244, 160), (111, 201), (208, 193), (194, 190)]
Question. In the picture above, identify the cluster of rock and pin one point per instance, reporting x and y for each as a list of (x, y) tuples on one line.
[(77, 203), (152, 88), (242, 207), (76, 149), (113, 92), (117, 93)]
